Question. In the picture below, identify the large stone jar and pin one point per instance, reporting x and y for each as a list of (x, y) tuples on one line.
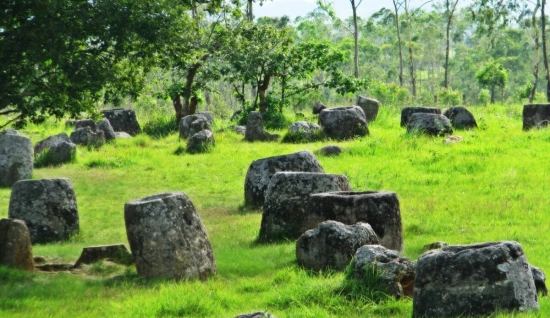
[(48, 208), (167, 238), (16, 157)]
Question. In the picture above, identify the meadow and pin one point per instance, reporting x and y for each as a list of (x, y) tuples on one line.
[(491, 186)]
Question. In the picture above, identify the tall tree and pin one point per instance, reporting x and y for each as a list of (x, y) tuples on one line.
[(536, 55), (544, 48), (450, 7), (397, 6), (100, 49)]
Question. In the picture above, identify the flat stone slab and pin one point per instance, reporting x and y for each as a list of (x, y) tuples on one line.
[(116, 253)]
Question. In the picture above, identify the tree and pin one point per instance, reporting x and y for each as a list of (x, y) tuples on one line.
[(397, 5), (59, 57), (492, 75), (327, 7), (450, 7)]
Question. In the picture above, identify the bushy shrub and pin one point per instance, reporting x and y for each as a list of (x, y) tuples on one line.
[(160, 126), (484, 97), (388, 93), (449, 97), (302, 136)]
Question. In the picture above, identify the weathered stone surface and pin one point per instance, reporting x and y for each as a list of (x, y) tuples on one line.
[(331, 245), (286, 201), (536, 116), (318, 107), (473, 280), (236, 114), (108, 131), (255, 129), (434, 246), (16, 157), (408, 111), (122, 135), (370, 107), (379, 209), (344, 122), (260, 172), (116, 253), (397, 273), (15, 245), (59, 147), (192, 124), (460, 118), (239, 129), (167, 238), (86, 137), (452, 139), (50, 142), (123, 120), (48, 207), (200, 142), (207, 115), (331, 150), (82, 123), (429, 124), (540, 280)]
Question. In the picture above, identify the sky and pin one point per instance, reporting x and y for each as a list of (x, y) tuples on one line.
[(294, 8)]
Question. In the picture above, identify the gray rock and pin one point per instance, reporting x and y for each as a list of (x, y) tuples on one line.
[(429, 124), (82, 123), (260, 172), (123, 120), (108, 131), (15, 245), (397, 274), (16, 157), (86, 137), (344, 122), (540, 280), (287, 198), (241, 130), (59, 149), (116, 253), (48, 207), (460, 118), (331, 150), (207, 115), (318, 107), (236, 114), (307, 131), (200, 142), (369, 105), (167, 238), (50, 142), (380, 209), (473, 280), (536, 116), (331, 245), (408, 111), (257, 314), (255, 129), (192, 124), (122, 135)]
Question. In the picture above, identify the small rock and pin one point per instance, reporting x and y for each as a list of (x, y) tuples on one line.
[(200, 142), (331, 150), (452, 139), (15, 245), (434, 246), (318, 107)]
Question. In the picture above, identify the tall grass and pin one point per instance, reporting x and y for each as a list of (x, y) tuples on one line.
[(491, 186)]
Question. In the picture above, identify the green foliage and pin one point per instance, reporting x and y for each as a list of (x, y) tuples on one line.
[(484, 97), (449, 97), (49, 159), (160, 126), (302, 136), (371, 286), (388, 94)]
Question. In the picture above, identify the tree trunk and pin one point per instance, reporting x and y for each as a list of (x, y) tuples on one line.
[(492, 95), (450, 13), (544, 50), (398, 28), (249, 12), (411, 56), (536, 55), (178, 107), (355, 40), (262, 93)]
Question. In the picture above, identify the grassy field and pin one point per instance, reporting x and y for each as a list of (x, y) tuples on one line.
[(491, 186)]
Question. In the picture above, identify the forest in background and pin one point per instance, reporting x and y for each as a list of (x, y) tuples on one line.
[(175, 57)]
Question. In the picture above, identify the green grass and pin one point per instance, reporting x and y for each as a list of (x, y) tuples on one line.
[(491, 186)]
